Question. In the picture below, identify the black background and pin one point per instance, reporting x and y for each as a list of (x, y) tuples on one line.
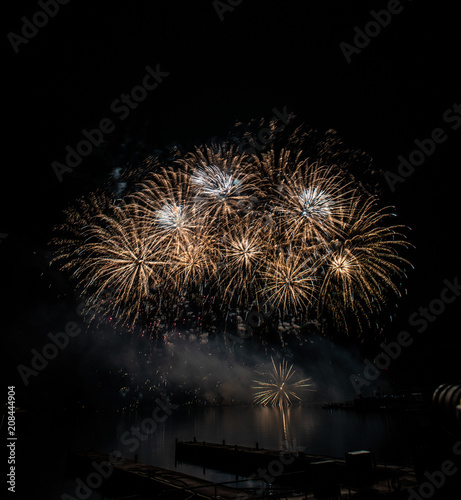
[(263, 54)]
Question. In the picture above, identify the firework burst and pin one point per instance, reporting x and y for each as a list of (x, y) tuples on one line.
[(117, 257), (167, 213), (72, 232), (224, 181), (269, 228), (279, 388), (194, 262), (289, 282), (360, 265), (243, 249), (311, 203)]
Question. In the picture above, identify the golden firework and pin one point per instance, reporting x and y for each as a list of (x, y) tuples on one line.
[(243, 249), (167, 213), (224, 182), (361, 265), (270, 228), (117, 256), (288, 282), (279, 388), (311, 202)]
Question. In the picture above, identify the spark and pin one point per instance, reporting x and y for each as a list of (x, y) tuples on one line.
[(289, 282), (278, 388), (218, 226), (361, 264)]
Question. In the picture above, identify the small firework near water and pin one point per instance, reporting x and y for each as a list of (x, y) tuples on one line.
[(222, 231), (279, 388)]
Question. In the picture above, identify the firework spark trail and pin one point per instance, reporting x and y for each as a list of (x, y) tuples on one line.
[(72, 232), (243, 229), (312, 202), (118, 256), (167, 211), (360, 263), (278, 389), (244, 248), (289, 282), (224, 182)]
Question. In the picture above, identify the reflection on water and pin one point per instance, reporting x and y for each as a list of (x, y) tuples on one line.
[(312, 430), (285, 413)]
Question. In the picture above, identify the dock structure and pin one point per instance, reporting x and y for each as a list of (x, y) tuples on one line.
[(132, 479), (324, 476), (278, 474), (239, 459)]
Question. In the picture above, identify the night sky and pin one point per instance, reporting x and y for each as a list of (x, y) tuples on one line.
[(262, 54)]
